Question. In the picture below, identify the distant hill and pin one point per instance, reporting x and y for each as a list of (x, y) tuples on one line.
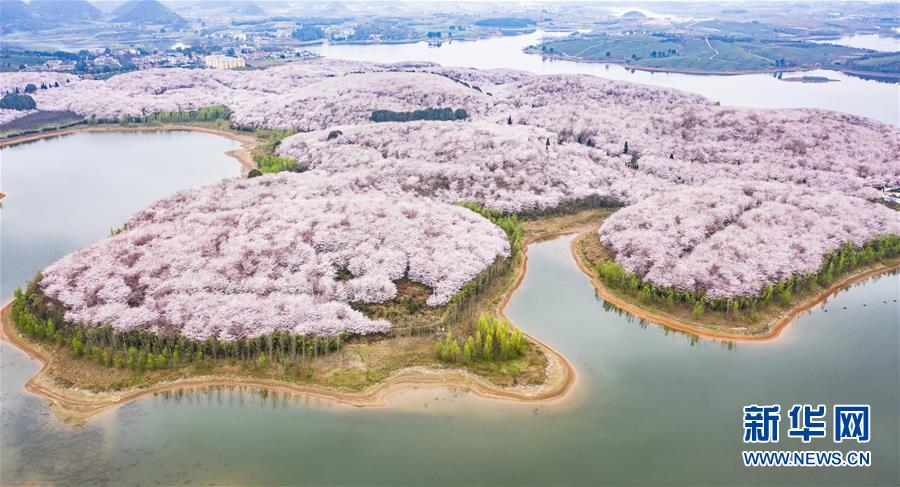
[(14, 9), (64, 10), (634, 14), (247, 8), (146, 12), (15, 15)]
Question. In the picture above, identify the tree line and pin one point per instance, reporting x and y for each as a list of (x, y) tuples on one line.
[(494, 339), (500, 269), (43, 319), (205, 114), (835, 265), (426, 114), (139, 350)]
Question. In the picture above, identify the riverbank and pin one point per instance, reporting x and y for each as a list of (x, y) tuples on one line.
[(244, 155), (654, 69), (78, 405), (700, 72), (768, 330)]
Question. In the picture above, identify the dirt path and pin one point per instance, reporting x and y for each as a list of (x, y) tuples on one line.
[(776, 326), (712, 48), (243, 155)]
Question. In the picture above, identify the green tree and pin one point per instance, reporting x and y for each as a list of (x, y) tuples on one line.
[(12, 101), (488, 352), (469, 350), (698, 309)]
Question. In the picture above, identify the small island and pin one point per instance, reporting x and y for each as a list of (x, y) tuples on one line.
[(809, 79)]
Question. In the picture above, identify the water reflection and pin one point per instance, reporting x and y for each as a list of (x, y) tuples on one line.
[(236, 397), (36, 447), (638, 391), (650, 407)]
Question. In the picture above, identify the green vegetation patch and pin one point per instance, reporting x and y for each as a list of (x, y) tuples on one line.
[(445, 114), (15, 101), (836, 265), (265, 157)]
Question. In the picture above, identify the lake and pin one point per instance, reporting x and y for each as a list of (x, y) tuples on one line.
[(64, 193), (867, 41), (650, 406), (873, 99)]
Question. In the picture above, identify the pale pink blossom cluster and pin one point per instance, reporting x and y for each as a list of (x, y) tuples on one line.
[(247, 257), (352, 98), (9, 81), (731, 239), (8, 115), (309, 95), (723, 200), (510, 168)]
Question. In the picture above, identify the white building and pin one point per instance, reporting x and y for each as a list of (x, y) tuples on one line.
[(218, 61)]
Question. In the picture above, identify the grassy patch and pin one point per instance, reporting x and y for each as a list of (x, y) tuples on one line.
[(264, 154)]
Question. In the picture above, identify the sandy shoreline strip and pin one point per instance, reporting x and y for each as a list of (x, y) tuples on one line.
[(244, 155), (78, 406), (774, 329)]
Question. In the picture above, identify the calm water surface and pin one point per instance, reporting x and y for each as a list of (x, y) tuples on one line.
[(873, 99), (650, 406), (67, 192), (868, 41)]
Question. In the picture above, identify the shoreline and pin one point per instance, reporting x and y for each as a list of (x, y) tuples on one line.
[(244, 155), (700, 72), (77, 406), (773, 331), (655, 69)]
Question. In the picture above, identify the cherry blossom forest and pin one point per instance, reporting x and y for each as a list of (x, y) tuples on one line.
[(724, 201)]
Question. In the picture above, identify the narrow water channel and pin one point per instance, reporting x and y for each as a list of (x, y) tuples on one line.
[(849, 94), (650, 406)]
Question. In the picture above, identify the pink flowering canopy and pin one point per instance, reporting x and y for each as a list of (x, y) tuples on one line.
[(20, 79), (717, 199), (509, 168), (8, 115), (733, 239), (248, 257), (10, 81)]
